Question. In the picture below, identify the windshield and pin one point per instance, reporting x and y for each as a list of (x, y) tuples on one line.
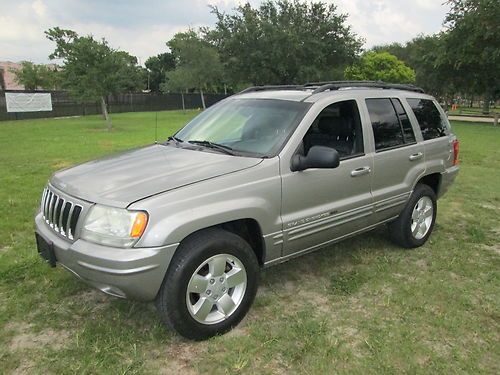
[(257, 127)]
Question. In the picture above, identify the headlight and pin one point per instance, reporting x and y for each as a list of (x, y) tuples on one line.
[(114, 226)]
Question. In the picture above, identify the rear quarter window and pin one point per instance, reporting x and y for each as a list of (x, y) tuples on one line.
[(431, 123)]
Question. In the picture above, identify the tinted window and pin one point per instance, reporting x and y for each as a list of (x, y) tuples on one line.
[(385, 123), (429, 118), (337, 126), (409, 136)]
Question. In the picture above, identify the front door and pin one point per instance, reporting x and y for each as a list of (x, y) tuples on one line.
[(321, 205)]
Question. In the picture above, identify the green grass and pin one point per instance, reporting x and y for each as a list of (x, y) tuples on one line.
[(362, 306)]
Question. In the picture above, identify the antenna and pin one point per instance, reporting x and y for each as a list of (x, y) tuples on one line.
[(156, 127)]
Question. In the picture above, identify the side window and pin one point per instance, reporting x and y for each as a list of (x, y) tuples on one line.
[(408, 134), (338, 126), (428, 117), (385, 123)]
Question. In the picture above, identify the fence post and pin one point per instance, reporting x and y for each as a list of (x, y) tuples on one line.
[(495, 119)]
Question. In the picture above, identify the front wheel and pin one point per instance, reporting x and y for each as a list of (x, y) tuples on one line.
[(210, 285), (414, 225)]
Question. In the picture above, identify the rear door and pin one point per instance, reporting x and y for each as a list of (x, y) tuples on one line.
[(435, 133), (398, 159)]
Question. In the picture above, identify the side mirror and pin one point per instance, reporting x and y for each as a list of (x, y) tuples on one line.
[(317, 157)]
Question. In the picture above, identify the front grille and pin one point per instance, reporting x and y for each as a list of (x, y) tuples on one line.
[(60, 214)]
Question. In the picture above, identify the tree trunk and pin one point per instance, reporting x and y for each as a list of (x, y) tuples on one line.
[(183, 104), (225, 89), (486, 105), (202, 99), (105, 113)]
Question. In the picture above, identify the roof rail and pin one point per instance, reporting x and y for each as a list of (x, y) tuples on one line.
[(318, 87), (336, 85), (271, 87)]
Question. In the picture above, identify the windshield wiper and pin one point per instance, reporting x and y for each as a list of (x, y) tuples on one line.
[(217, 146), (174, 138)]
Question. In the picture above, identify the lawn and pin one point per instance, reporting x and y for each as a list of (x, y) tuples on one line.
[(360, 307)]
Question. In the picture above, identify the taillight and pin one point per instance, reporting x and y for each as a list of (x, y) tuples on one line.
[(456, 147)]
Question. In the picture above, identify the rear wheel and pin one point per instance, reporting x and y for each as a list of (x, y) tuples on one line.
[(414, 225), (210, 285)]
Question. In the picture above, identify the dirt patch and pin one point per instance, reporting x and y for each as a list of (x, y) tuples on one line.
[(442, 349), (25, 367), (422, 263), (238, 331), (92, 296), (493, 248), (177, 359), (295, 295), (92, 299), (25, 339)]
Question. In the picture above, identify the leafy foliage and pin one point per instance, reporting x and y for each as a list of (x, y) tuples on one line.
[(422, 55), (34, 76), (283, 42), (380, 66), (158, 66), (197, 64), (471, 45), (92, 69)]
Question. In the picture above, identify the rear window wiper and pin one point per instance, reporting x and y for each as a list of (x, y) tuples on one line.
[(217, 146)]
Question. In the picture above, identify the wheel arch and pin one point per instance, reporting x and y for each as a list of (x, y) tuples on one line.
[(432, 180), (247, 228)]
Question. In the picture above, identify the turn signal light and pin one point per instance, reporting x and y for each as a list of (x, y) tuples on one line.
[(140, 222)]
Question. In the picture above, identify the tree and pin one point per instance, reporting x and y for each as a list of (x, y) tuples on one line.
[(471, 46), (34, 76), (93, 70), (396, 49), (283, 42), (380, 66), (422, 55), (157, 67), (197, 64)]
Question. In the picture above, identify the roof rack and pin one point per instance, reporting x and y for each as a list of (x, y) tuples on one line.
[(271, 87), (318, 87), (336, 85)]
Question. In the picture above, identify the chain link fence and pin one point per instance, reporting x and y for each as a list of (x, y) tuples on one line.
[(63, 105)]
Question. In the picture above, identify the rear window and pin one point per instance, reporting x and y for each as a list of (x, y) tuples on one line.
[(391, 127), (408, 134), (429, 118)]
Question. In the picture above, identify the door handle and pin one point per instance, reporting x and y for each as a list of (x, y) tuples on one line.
[(360, 171), (416, 156)]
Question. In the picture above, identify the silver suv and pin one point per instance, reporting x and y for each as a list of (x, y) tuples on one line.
[(259, 178)]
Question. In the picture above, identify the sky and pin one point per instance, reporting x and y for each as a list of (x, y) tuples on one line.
[(142, 27)]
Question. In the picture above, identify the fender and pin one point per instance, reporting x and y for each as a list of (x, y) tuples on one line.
[(254, 193)]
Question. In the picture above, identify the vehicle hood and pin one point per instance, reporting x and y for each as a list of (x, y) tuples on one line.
[(122, 179)]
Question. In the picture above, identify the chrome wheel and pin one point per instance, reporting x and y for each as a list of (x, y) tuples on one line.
[(216, 289), (421, 217)]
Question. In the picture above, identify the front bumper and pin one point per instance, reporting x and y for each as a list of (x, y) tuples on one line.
[(135, 273)]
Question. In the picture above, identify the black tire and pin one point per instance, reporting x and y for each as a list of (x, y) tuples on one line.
[(191, 254), (400, 229)]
